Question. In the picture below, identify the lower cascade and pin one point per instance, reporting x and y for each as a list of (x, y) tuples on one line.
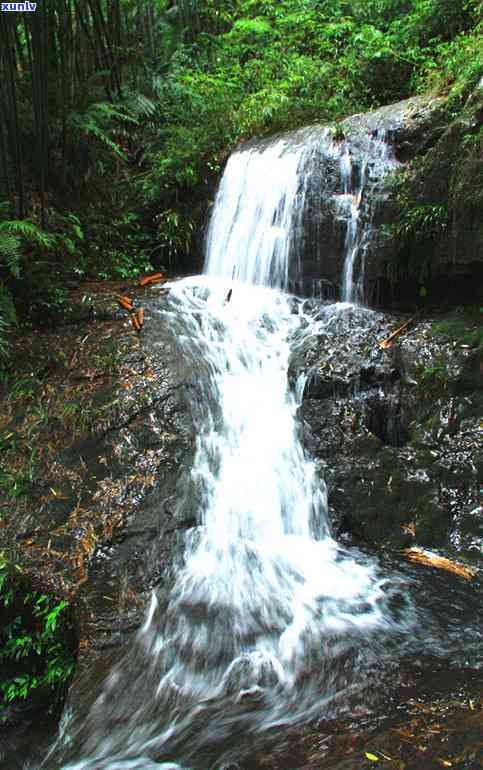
[(270, 620)]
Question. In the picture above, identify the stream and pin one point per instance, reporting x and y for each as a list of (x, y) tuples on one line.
[(270, 621)]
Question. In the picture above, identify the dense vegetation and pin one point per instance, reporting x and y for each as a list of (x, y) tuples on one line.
[(116, 115), (36, 646)]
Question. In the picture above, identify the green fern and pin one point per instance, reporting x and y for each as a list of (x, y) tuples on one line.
[(4, 349), (100, 121), (71, 222), (106, 111), (8, 318), (140, 105), (10, 254), (29, 232)]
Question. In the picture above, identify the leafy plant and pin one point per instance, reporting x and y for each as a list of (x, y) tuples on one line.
[(36, 651), (175, 233), (8, 318), (464, 327), (421, 222), (101, 123)]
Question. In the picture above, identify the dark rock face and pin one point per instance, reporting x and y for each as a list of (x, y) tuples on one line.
[(105, 520), (422, 140), (395, 431), (154, 439)]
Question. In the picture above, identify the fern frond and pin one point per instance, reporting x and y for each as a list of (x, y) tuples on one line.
[(29, 232), (7, 309), (102, 111), (10, 253), (8, 317), (87, 124), (140, 105)]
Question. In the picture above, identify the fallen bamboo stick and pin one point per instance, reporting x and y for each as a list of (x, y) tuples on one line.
[(428, 559), (135, 322), (126, 303), (153, 278), (388, 341), (140, 317)]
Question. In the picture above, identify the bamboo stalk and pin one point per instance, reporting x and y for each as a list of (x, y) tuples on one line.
[(125, 302), (154, 278), (418, 556), (386, 343)]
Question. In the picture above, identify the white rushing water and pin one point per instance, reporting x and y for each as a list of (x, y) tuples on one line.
[(353, 184), (257, 233), (267, 608), (250, 231)]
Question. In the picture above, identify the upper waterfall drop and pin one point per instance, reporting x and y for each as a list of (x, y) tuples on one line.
[(252, 224), (296, 213), (358, 233)]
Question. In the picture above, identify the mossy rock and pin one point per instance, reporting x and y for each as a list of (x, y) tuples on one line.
[(432, 523)]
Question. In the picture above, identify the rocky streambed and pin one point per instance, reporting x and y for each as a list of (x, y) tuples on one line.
[(397, 431), (108, 415)]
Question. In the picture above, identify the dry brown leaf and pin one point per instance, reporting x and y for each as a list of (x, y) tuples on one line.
[(410, 528)]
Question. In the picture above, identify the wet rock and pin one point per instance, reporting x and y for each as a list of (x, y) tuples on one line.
[(432, 143), (105, 514), (434, 718), (385, 419), (395, 431)]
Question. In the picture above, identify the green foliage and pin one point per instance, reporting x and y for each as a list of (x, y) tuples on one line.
[(175, 234), (418, 227), (17, 483), (28, 233), (433, 380), (100, 122), (421, 222), (117, 246), (133, 126), (10, 252), (10, 264), (280, 65), (464, 327), (35, 648)]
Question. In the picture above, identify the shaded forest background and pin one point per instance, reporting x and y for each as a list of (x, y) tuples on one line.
[(116, 117)]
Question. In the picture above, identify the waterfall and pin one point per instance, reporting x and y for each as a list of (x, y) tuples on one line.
[(252, 223), (353, 182), (269, 619), (270, 191), (352, 191)]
